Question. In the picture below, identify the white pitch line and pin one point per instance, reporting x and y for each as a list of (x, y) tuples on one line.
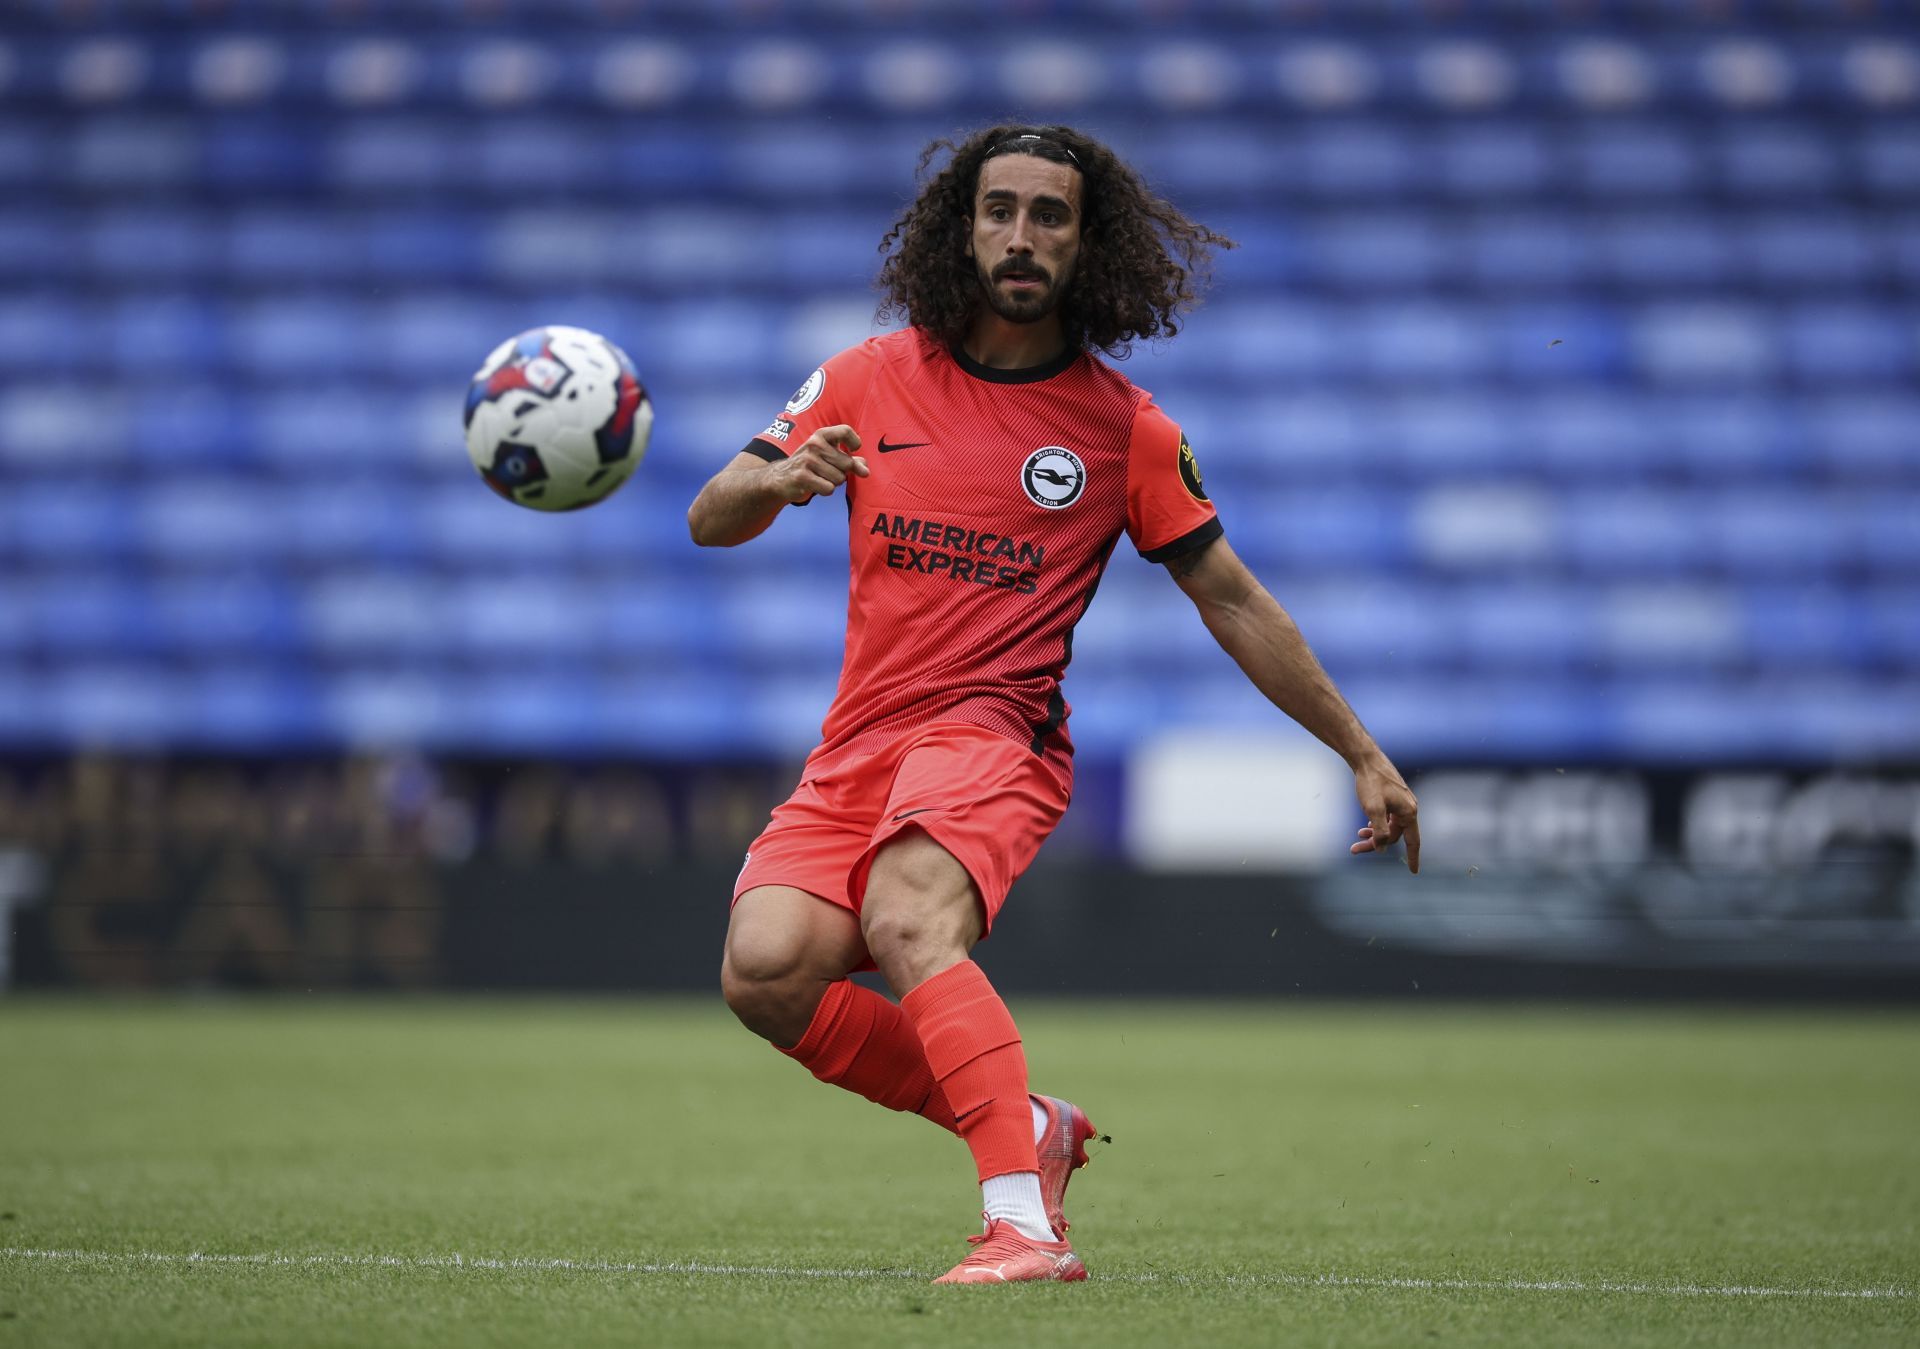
[(490, 1263)]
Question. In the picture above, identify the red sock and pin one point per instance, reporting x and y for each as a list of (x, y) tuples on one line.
[(974, 1050), (860, 1041)]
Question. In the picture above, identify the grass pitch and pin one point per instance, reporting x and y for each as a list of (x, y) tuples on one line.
[(535, 1173)]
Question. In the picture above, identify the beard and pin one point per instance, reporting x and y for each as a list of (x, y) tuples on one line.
[(1019, 306)]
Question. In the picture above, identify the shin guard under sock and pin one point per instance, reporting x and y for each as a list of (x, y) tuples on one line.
[(973, 1049), (860, 1041)]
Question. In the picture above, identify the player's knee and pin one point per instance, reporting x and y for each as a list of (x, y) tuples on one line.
[(766, 985), (909, 944)]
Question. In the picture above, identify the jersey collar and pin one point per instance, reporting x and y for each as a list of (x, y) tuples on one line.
[(1031, 374)]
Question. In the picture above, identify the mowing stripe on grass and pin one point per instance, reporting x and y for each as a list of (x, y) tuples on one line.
[(801, 1272)]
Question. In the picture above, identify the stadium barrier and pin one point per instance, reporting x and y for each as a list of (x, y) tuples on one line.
[(404, 875)]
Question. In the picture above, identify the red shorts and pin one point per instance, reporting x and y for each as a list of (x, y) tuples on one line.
[(988, 800)]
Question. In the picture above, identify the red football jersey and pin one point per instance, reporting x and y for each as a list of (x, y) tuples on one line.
[(993, 502)]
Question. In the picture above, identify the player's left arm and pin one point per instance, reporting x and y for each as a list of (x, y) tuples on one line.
[(1265, 642)]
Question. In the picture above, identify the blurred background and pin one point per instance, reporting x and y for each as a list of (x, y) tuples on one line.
[(1563, 387)]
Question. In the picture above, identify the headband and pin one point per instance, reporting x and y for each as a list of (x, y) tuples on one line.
[(1025, 144)]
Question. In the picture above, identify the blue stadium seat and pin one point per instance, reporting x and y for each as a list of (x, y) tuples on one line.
[(1663, 251), (1586, 433), (375, 614), (1506, 627), (1633, 532), (305, 337), (673, 157), (1344, 159), (1774, 158), (216, 615), (1717, 437), (1216, 160), (132, 153), (241, 707), (16, 619), (1890, 158), (38, 245), (144, 245), (1424, 341), (1616, 159), (252, 153), (1828, 344), (781, 625), (1338, 527), (1525, 249), (1800, 626), (59, 519), (1884, 529), (1828, 250), (1308, 438), (513, 615), (1480, 160), (49, 335), (539, 156), (1469, 433), (1485, 527), (293, 245), (166, 335), (1708, 343), (1385, 251), (1865, 437), (420, 247), (411, 707), (209, 520), (1892, 635), (327, 429), (1694, 626), (1774, 531), (406, 155), (698, 342), (354, 515), (1375, 623), (1690, 718), (74, 424), (116, 702), (1547, 341), (82, 613), (437, 339)]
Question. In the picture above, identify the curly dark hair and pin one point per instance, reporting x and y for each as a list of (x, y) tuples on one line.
[(1141, 264)]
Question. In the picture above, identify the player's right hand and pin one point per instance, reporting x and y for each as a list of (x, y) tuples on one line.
[(823, 461)]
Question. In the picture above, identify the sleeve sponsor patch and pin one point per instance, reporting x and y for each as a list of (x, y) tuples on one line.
[(1190, 471), (807, 394), (781, 428)]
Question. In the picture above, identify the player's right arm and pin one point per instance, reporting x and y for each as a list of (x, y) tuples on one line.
[(742, 499)]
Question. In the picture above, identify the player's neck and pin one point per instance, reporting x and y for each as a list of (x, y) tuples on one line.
[(1000, 345)]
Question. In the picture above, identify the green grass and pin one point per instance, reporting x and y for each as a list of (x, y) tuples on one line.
[(1256, 1147)]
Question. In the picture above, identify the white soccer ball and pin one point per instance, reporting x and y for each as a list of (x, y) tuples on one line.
[(557, 418)]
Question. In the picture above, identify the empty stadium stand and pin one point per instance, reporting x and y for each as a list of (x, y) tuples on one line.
[(1565, 383)]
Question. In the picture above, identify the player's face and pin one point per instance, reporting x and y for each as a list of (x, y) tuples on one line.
[(1026, 234)]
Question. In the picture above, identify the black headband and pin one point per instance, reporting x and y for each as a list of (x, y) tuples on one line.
[(1025, 142)]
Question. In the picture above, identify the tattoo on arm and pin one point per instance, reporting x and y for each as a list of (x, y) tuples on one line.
[(1186, 564)]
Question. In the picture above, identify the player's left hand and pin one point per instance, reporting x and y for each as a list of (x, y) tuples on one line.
[(1392, 812)]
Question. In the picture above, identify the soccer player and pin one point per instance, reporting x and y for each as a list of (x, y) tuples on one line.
[(989, 463)]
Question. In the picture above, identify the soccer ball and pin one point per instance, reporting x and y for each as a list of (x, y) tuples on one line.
[(556, 419)]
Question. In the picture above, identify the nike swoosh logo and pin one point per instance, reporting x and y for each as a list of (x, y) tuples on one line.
[(921, 811), (901, 445)]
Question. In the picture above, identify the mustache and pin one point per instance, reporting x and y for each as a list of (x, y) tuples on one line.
[(1016, 267)]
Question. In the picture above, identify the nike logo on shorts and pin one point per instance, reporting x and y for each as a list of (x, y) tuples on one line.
[(921, 811)]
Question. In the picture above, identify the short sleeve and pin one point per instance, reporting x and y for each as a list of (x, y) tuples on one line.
[(831, 395), (1168, 513)]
